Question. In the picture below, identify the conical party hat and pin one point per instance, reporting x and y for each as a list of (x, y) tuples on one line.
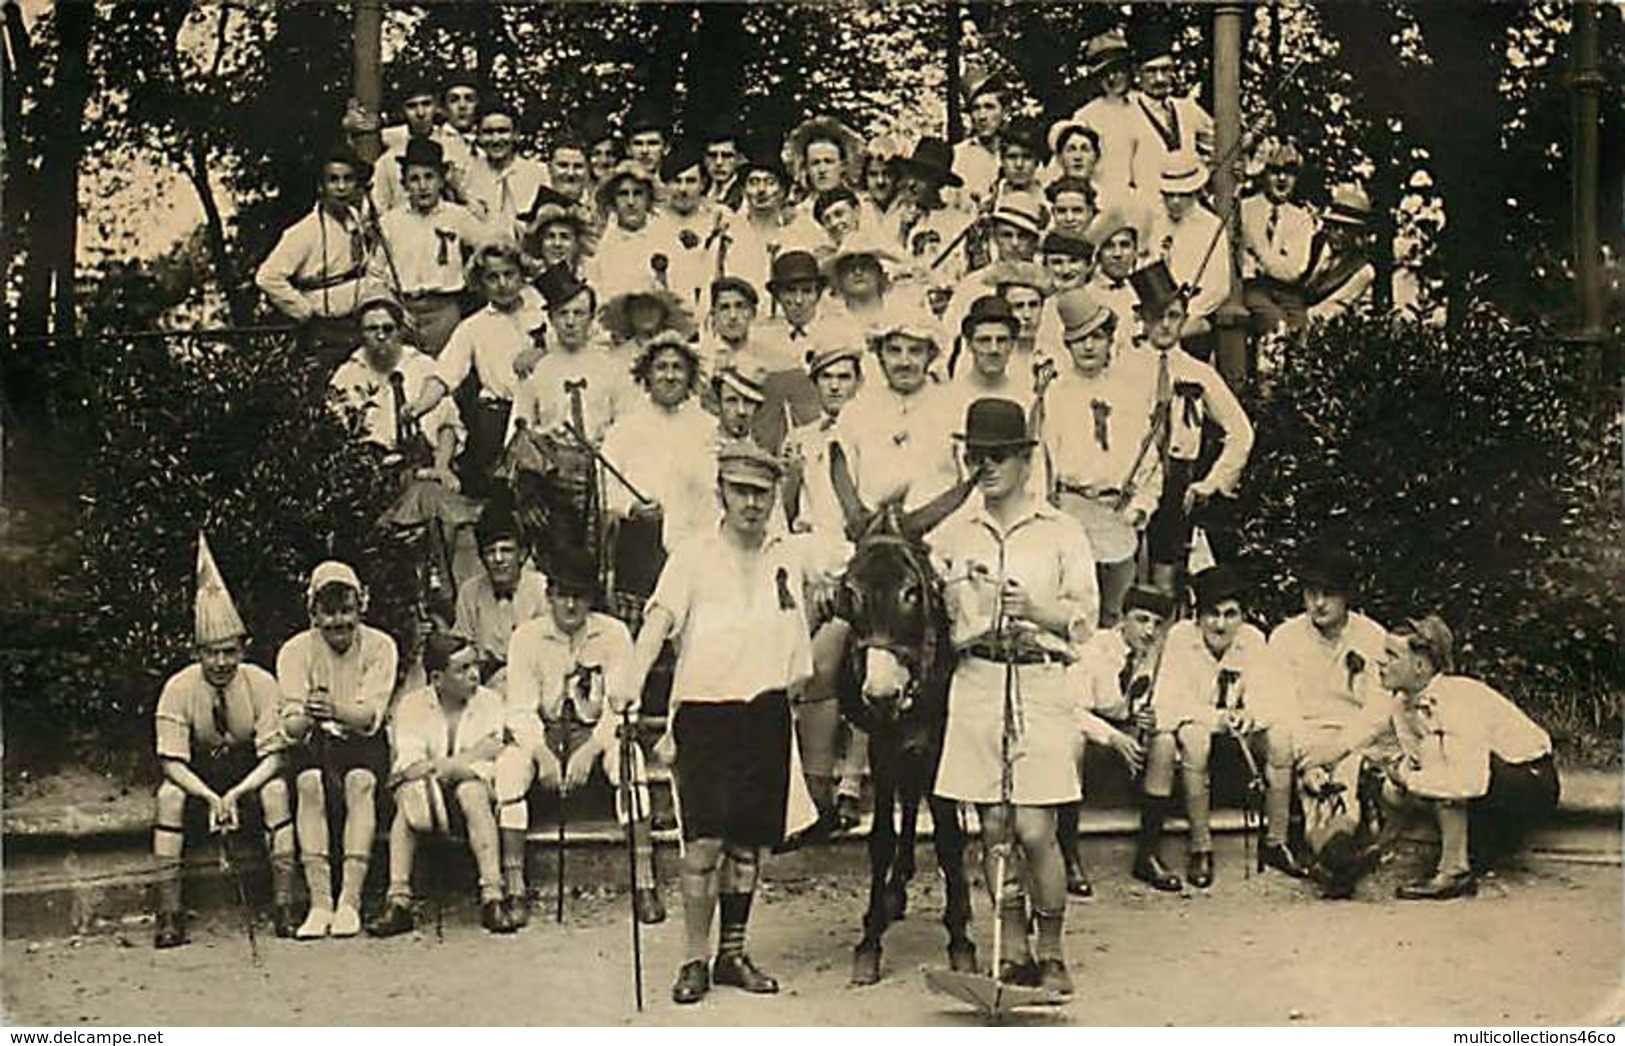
[(214, 615)]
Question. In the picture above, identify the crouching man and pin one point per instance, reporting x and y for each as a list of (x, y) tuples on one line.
[(1467, 753), (446, 737), (219, 740), (557, 667)]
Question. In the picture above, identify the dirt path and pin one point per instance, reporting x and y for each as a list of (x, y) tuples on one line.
[(1534, 948)]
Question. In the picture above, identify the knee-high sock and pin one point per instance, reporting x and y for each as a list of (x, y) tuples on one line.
[(318, 879), (699, 905), (1010, 903), (1153, 811), (1453, 825), (1199, 809), (482, 839), (1277, 804), (353, 878), (1066, 832), (643, 850), (402, 852), (735, 906), (314, 844), (166, 858), (279, 841), (513, 860), (1050, 925)]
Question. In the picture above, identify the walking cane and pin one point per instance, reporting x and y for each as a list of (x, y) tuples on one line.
[(1255, 779), (630, 807), (231, 868), (558, 902)]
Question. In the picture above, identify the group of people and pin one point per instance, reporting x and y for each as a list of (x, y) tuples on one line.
[(726, 334)]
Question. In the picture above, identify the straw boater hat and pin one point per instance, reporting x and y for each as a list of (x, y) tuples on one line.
[(1024, 210), (214, 615), (747, 377), (1061, 130), (901, 317), (825, 127), (675, 313), (1350, 206), (1080, 313), (1183, 172)]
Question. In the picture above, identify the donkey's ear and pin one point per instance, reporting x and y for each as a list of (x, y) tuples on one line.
[(917, 524), (846, 492)]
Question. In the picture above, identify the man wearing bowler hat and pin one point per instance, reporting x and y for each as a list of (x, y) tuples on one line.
[(800, 314), (419, 103), (506, 593), (1188, 393), (734, 601), (1020, 585), (543, 401)]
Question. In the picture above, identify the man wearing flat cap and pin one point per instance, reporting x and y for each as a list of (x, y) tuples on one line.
[(1326, 661), (219, 740), (1214, 681), (1466, 754), (336, 679), (733, 600), (1020, 584)]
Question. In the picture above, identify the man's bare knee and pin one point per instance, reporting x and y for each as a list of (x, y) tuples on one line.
[(702, 856), (310, 787), (472, 794), (359, 786)]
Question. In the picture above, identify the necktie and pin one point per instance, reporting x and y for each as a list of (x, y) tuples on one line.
[(797, 331), (1166, 250), (578, 681), (446, 238), (1271, 223), (505, 205), (1164, 408), (222, 727), (1102, 411), (358, 247), (1126, 675)]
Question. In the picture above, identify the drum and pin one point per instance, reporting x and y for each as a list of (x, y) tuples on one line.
[(636, 557)]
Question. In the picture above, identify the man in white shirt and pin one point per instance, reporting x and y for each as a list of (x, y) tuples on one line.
[(1170, 123), (733, 602), (1192, 241), (976, 159), (1113, 115), (689, 225), (502, 184), (629, 256), (1339, 274), (420, 107), (1117, 235), (1276, 232)]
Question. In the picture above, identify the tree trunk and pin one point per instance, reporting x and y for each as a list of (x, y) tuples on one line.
[(716, 76), (17, 73)]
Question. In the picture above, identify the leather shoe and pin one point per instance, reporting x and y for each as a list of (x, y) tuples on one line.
[(1150, 870), (739, 972), (1199, 870), (494, 917), (394, 920), (283, 921), (1441, 887), (1023, 974), (1077, 880), (1053, 977), (1280, 857), (517, 909), (693, 981), (169, 931), (847, 813), (648, 907)]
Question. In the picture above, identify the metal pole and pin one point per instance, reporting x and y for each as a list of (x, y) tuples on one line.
[(1230, 321), (369, 72), (1586, 84)]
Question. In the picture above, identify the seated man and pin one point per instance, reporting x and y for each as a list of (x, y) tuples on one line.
[(219, 739), (445, 735), (559, 726), (1211, 682), (1467, 753), (1326, 660), (506, 594), (336, 678)]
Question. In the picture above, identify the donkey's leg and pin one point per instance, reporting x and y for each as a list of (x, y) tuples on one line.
[(948, 839), (882, 845), (911, 785)]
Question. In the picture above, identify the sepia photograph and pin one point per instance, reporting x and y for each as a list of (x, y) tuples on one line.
[(870, 513)]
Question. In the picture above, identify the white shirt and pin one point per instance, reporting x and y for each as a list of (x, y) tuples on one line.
[(1330, 682), (1184, 245), (317, 268), (1162, 135), (543, 403), (1095, 428), (424, 253), (978, 167), (500, 197), (419, 729), (490, 341), (739, 619), (1453, 727), (1276, 238), (388, 184), (362, 676), (1119, 125), (542, 662), (623, 261), (689, 243), (357, 386), (897, 444), (1188, 688), (669, 456), (1198, 392)]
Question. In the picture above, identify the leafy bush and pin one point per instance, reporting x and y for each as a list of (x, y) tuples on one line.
[(228, 436), (1472, 473)]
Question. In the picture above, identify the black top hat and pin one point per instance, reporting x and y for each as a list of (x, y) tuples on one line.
[(1217, 584), (423, 152), (684, 153), (993, 422), (1155, 287), (989, 308), (1328, 567), (497, 522), (932, 162), (1028, 133), (647, 114), (764, 154), (573, 571), (792, 267), (1144, 597), (558, 285)]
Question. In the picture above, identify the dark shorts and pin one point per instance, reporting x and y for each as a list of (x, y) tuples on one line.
[(337, 756), (1520, 796), (1168, 534), (220, 771), (733, 769)]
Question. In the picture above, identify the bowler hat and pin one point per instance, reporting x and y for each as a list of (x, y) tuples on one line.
[(762, 154), (497, 523), (423, 152), (1329, 568), (1217, 584), (1080, 313), (994, 422), (684, 153), (989, 308), (1144, 597), (1155, 287), (932, 162), (573, 571), (558, 285), (794, 267)]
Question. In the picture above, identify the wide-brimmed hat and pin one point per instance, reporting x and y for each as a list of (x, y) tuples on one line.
[(1217, 584), (743, 461), (974, 84), (1182, 172), (676, 315), (683, 154), (746, 376), (1350, 206), (1024, 210), (558, 285), (422, 152), (1328, 567), (989, 308), (932, 162), (1434, 637), (794, 267), (624, 171), (1080, 313), (992, 422), (1114, 219), (1155, 288), (1104, 51), (828, 128)]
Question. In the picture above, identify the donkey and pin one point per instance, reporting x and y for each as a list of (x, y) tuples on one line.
[(893, 684)]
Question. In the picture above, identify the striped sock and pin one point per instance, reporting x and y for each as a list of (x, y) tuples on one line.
[(1049, 933), (735, 911)]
